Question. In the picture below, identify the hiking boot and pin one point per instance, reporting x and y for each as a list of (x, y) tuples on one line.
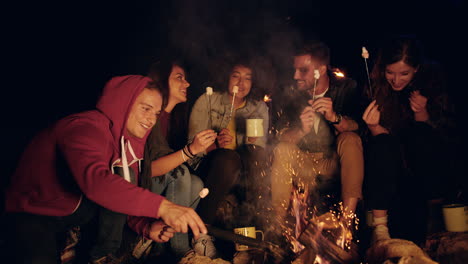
[(204, 246), (109, 259)]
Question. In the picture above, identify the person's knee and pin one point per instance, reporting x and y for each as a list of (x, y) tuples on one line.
[(349, 138), (197, 183), (227, 158), (224, 162), (383, 140), (383, 143), (349, 142), (284, 149)]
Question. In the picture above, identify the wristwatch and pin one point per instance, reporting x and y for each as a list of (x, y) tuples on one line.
[(337, 120)]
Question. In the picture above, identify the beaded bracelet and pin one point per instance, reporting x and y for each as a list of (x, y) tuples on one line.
[(187, 152), (188, 148)]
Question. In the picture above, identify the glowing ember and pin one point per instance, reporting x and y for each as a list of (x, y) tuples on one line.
[(320, 260), (338, 73)]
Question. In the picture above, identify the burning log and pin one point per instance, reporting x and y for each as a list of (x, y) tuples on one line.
[(271, 248), (317, 244)]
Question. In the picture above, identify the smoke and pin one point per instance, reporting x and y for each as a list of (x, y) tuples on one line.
[(210, 34)]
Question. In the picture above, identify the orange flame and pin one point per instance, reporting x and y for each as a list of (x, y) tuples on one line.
[(266, 98), (320, 260), (338, 73)]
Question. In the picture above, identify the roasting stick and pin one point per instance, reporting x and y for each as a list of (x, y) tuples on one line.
[(202, 194), (144, 243), (316, 77), (209, 92), (235, 89), (365, 55)]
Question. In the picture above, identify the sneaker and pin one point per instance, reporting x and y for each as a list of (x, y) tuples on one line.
[(187, 258), (380, 233), (204, 246)]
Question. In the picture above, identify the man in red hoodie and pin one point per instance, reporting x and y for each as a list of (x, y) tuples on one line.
[(70, 168)]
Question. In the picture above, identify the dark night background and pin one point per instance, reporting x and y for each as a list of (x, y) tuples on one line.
[(61, 54)]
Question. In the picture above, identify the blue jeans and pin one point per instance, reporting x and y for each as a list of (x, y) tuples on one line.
[(182, 188)]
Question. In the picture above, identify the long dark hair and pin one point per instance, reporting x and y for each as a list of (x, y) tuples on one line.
[(405, 48), (394, 105), (160, 72), (429, 80)]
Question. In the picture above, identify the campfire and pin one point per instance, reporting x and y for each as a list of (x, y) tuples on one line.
[(312, 239), (319, 239)]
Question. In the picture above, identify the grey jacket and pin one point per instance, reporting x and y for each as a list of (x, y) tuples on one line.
[(220, 111), (345, 97)]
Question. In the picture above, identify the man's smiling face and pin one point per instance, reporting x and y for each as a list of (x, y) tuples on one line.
[(144, 113), (304, 67)]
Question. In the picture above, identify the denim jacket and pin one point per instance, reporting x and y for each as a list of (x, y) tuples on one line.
[(220, 105)]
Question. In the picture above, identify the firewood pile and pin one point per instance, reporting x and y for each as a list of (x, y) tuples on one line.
[(318, 244), (448, 247)]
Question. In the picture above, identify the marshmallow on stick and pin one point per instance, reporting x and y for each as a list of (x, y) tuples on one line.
[(316, 77), (365, 53), (145, 243), (202, 194), (235, 89), (365, 56), (209, 92)]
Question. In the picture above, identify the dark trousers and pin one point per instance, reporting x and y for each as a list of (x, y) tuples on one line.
[(220, 171), (241, 171), (109, 233), (254, 192), (402, 174), (35, 238)]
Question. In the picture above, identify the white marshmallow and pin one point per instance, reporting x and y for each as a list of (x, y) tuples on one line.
[(316, 74), (204, 192), (235, 89), (365, 53), (209, 90)]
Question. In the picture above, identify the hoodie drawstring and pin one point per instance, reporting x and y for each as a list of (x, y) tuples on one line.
[(126, 171)]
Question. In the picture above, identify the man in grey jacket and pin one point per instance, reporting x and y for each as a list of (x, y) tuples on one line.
[(318, 146)]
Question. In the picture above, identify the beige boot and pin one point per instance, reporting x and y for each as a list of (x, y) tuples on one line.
[(380, 231)]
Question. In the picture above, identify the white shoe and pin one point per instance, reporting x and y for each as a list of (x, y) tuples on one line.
[(380, 233), (204, 246)]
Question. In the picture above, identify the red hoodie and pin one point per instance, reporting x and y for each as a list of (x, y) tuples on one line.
[(74, 158)]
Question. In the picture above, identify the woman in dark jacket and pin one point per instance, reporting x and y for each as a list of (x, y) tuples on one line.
[(405, 158)]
